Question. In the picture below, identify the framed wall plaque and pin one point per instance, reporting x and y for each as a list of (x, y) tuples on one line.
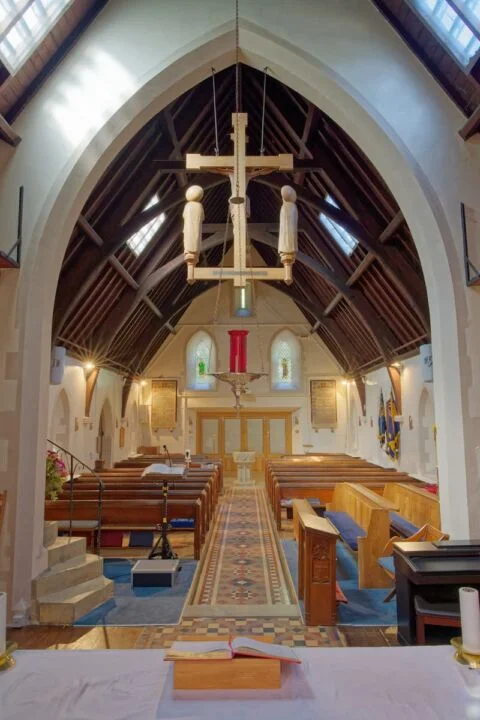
[(323, 403), (164, 404)]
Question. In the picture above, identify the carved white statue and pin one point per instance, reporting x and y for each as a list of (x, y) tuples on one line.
[(193, 217), (288, 230)]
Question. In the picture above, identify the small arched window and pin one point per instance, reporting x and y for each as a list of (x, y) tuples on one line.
[(285, 361), (201, 361)]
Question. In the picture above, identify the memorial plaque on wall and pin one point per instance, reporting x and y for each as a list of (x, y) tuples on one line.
[(164, 404), (323, 403)]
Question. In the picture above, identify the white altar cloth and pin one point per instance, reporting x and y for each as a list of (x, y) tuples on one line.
[(406, 683)]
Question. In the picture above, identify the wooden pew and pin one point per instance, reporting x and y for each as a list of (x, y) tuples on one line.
[(132, 486), (416, 505), (108, 494), (129, 514), (371, 513), (322, 488)]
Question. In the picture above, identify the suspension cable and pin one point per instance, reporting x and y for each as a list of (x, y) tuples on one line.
[(262, 146), (217, 150)]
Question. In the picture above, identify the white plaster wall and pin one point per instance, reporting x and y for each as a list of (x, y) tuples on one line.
[(83, 435), (368, 444), (274, 312)]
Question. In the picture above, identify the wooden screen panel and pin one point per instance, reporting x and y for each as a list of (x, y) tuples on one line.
[(323, 403), (164, 404)]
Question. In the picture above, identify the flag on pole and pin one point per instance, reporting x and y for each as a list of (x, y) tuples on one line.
[(392, 435), (382, 425)]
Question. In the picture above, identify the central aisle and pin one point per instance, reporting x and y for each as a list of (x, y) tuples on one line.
[(244, 572)]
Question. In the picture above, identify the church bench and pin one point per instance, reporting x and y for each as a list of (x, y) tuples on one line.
[(131, 486), (416, 507), (321, 488), (332, 475), (129, 514), (370, 512), (209, 480), (81, 494)]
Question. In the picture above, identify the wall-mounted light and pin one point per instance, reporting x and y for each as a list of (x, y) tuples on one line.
[(88, 366), (143, 383)]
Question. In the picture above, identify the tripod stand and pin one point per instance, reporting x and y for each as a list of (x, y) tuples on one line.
[(162, 548)]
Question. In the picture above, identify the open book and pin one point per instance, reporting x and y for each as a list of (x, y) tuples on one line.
[(228, 649)]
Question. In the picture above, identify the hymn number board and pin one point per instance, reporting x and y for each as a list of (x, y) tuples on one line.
[(164, 404), (323, 403)]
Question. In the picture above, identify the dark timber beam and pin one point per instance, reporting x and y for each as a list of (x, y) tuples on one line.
[(127, 386), (379, 330), (472, 126), (390, 258), (8, 134), (81, 277)]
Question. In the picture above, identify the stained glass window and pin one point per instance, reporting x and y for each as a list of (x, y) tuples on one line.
[(201, 360), (285, 361)]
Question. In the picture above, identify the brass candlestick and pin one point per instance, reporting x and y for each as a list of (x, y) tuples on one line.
[(463, 657), (7, 660)]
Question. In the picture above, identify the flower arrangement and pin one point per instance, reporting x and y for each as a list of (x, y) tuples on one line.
[(56, 475)]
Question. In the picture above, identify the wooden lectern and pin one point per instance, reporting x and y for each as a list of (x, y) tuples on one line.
[(317, 564)]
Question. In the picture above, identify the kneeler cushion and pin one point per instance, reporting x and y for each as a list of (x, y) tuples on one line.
[(111, 538), (141, 538)]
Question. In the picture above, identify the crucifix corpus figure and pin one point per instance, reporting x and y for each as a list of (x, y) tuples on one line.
[(240, 167)]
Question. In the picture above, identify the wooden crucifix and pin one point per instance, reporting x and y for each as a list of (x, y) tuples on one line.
[(240, 167)]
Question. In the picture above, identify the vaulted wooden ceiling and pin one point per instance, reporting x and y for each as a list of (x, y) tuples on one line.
[(368, 308)]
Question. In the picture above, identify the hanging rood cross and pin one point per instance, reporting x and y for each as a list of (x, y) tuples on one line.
[(240, 167)]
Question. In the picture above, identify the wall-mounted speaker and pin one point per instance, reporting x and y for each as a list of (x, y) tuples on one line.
[(57, 365), (426, 360)]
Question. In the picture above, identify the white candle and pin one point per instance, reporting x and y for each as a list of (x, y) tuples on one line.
[(3, 623), (470, 619)]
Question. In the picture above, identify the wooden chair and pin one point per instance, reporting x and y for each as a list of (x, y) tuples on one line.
[(427, 533), (445, 614)]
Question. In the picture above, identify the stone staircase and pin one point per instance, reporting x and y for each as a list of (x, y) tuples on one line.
[(73, 584)]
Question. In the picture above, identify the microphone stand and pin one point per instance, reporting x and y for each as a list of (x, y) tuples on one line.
[(162, 547)]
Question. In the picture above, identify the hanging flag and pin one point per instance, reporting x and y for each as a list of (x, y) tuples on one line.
[(392, 435), (382, 425)]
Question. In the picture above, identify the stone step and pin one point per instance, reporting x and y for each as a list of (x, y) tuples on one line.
[(67, 606), (50, 532), (65, 548), (64, 575)]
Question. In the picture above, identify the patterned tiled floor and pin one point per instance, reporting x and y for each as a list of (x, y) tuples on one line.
[(281, 630), (244, 571)]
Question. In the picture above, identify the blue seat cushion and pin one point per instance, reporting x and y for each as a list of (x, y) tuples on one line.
[(402, 526), (387, 564), (347, 527), (182, 523)]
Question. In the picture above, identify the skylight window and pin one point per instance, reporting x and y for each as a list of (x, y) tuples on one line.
[(23, 26), (139, 240), (456, 23), (342, 237)]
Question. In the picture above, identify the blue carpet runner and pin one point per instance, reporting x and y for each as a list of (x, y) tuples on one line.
[(140, 606), (365, 607)]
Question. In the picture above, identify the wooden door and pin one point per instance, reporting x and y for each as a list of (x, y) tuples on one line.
[(220, 434)]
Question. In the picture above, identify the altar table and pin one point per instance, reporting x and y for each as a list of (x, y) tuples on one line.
[(403, 683)]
